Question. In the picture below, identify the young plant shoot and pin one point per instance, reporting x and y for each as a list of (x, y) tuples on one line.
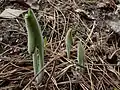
[(69, 42), (80, 55), (35, 43)]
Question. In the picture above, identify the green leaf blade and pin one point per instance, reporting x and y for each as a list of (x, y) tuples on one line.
[(35, 41), (30, 33), (80, 55), (69, 42)]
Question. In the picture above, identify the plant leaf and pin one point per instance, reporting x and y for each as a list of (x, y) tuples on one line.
[(80, 55), (27, 3), (45, 42), (11, 13), (37, 43), (30, 33), (69, 42)]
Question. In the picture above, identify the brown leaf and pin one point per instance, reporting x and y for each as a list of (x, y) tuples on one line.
[(115, 25), (11, 13), (32, 3)]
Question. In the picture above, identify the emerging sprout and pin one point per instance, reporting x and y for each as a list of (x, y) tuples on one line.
[(80, 55), (35, 43), (69, 42)]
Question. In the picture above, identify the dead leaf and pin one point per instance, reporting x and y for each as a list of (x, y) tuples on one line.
[(31, 3), (115, 25), (101, 5), (84, 14), (11, 13), (117, 12)]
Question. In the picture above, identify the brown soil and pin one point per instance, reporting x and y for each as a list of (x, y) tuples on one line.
[(88, 20)]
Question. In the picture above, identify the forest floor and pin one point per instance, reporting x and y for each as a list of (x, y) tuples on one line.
[(95, 22)]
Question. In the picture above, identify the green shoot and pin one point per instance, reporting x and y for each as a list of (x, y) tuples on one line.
[(80, 55), (35, 43), (45, 44), (69, 42)]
